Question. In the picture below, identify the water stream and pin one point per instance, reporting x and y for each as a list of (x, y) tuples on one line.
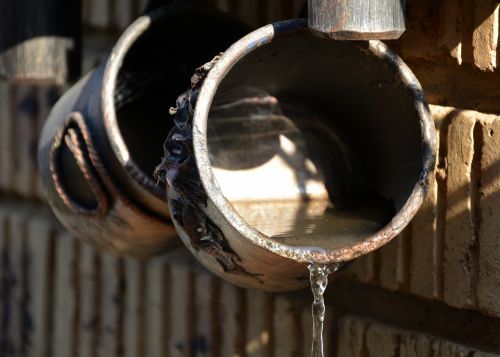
[(319, 282), (290, 174)]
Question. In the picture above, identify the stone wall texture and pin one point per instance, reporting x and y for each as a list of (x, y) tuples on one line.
[(433, 291)]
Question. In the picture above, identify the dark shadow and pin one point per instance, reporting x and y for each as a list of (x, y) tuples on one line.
[(24, 20), (475, 227), (158, 67)]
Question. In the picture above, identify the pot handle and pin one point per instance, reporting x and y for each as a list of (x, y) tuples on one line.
[(74, 135)]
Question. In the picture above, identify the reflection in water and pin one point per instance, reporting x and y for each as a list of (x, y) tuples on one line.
[(315, 222), (259, 153), (290, 176)]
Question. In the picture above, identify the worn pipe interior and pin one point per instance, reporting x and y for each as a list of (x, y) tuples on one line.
[(315, 142)]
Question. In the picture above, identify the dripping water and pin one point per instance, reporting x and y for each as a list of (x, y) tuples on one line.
[(304, 182), (319, 281)]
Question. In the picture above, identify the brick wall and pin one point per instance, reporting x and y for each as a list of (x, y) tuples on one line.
[(450, 250), (362, 337), (434, 291)]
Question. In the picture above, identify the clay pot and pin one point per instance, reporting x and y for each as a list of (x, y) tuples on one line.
[(292, 148), (103, 138)]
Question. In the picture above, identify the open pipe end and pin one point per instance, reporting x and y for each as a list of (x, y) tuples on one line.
[(344, 127), (299, 149)]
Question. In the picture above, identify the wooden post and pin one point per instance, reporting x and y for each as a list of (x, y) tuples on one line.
[(358, 19), (40, 40)]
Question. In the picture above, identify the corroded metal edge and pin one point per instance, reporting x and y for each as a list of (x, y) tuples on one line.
[(305, 255), (187, 197)]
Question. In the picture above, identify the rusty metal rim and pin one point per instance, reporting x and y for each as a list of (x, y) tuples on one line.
[(247, 44), (113, 66)]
